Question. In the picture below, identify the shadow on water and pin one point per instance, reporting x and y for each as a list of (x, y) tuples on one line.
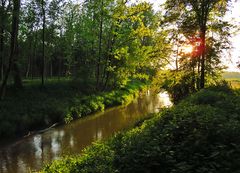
[(34, 151)]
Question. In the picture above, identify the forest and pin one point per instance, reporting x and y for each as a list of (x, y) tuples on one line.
[(61, 60)]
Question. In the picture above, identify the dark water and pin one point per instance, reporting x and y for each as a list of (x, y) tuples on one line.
[(32, 152)]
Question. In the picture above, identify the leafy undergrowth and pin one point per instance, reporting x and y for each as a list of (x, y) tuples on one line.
[(199, 135), (82, 106), (35, 108)]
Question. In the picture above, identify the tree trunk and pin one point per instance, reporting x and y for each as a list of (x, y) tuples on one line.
[(198, 72), (59, 67), (51, 69), (193, 85), (203, 47), (29, 58), (106, 81), (17, 75), (109, 50), (1, 38), (33, 72), (13, 47), (1, 52), (43, 43), (100, 46), (111, 43), (176, 60)]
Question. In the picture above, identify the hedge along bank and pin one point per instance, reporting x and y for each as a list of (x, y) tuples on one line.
[(93, 103)]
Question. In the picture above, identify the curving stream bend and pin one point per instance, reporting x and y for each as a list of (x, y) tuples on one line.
[(32, 152)]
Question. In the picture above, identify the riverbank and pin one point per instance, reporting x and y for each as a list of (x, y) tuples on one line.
[(33, 108), (200, 134)]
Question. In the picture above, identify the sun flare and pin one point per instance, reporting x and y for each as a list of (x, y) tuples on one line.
[(187, 49)]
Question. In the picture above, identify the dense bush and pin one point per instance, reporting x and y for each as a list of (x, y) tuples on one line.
[(199, 135)]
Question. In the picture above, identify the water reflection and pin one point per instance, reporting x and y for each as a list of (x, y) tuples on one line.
[(165, 100), (34, 151)]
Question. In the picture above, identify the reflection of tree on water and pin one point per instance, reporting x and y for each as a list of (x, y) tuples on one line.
[(56, 142)]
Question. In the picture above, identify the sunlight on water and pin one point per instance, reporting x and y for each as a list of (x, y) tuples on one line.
[(165, 99)]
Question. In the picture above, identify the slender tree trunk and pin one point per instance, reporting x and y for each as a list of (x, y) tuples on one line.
[(109, 50), (16, 71), (108, 60), (51, 69), (59, 67), (59, 58), (43, 43), (203, 47), (34, 55), (17, 75), (198, 72), (13, 47), (100, 45), (1, 52), (106, 81), (2, 8), (28, 67), (29, 58), (176, 60), (193, 85)]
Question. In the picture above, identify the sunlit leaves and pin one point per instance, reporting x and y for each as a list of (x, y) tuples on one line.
[(199, 19)]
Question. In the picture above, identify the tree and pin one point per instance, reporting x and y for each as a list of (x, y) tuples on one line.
[(200, 14), (101, 44), (43, 39), (2, 27), (27, 41), (13, 49), (4, 18)]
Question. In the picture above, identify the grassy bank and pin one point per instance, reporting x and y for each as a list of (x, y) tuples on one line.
[(235, 83), (199, 135), (35, 108), (233, 79)]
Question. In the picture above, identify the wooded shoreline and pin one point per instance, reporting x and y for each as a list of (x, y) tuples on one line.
[(36, 109)]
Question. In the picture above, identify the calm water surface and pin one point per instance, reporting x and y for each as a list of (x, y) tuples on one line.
[(32, 152)]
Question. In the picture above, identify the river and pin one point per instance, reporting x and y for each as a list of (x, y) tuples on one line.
[(32, 152)]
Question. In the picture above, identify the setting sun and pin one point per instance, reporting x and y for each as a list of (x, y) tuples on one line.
[(187, 49)]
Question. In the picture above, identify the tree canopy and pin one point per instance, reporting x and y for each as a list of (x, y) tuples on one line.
[(104, 44)]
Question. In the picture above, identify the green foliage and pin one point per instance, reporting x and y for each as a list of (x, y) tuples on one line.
[(86, 164), (98, 102), (200, 135)]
